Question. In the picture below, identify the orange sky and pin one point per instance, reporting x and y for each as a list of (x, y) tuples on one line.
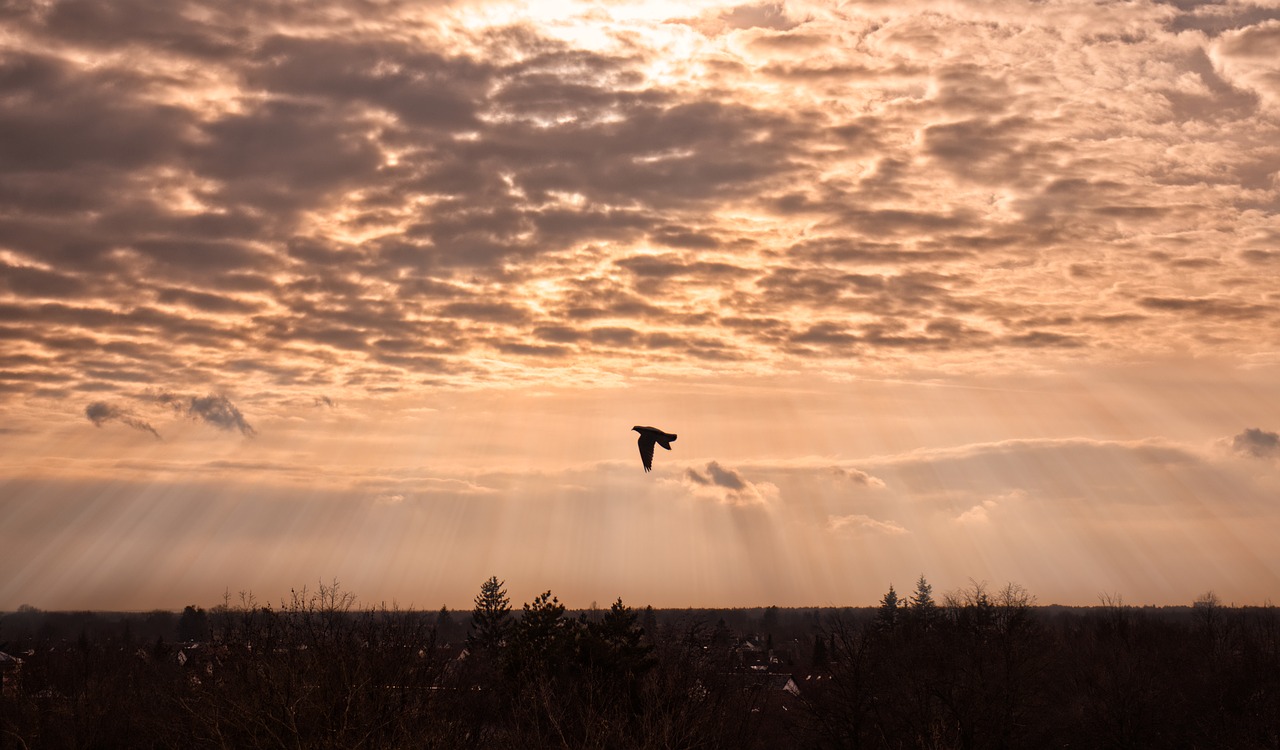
[(375, 291)]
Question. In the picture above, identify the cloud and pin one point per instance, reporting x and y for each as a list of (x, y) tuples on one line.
[(1248, 55), (727, 486), (758, 15), (978, 514), (858, 476), (1225, 308), (325, 401), (1257, 443), (482, 199), (858, 523), (213, 409), (101, 412)]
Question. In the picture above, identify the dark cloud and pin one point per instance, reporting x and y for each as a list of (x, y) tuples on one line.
[(1045, 339), (60, 116), (987, 150), (161, 26), (717, 476), (489, 312), (1211, 307), (728, 486), (325, 401), (845, 250), (531, 350), (1261, 256), (101, 412), (825, 333), (1257, 443), (204, 301), (28, 281), (285, 155), (422, 88), (1217, 101), (213, 409)]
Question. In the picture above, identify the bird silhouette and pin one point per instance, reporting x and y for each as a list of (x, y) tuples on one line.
[(649, 436)]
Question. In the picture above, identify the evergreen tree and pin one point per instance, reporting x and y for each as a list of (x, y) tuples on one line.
[(923, 610), (820, 658), (445, 625), (769, 622), (887, 616), (649, 624), (923, 598), (541, 638), (491, 617), (614, 643)]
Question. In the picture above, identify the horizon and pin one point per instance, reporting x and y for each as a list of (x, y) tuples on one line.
[(361, 607), (374, 292)]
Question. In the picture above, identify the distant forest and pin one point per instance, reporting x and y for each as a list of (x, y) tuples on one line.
[(975, 668)]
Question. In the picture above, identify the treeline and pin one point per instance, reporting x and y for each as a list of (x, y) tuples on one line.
[(975, 668)]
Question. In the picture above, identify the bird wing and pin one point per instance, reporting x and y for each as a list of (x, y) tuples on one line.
[(646, 451)]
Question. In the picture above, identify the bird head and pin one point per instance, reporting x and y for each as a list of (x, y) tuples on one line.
[(637, 428)]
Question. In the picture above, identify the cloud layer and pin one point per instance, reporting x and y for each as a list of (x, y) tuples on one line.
[(451, 196)]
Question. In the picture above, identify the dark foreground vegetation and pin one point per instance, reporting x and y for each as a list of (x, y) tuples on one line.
[(978, 669)]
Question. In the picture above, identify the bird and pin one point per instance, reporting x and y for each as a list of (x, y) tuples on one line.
[(649, 436)]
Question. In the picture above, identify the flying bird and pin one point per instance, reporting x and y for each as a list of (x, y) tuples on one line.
[(649, 436)]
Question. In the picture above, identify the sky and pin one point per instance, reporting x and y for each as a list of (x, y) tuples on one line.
[(373, 291)]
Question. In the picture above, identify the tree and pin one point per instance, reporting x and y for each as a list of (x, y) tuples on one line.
[(649, 624), (541, 638), (769, 622), (613, 645), (445, 624), (887, 616), (923, 598), (922, 609), (820, 658), (193, 625), (1207, 610), (491, 617)]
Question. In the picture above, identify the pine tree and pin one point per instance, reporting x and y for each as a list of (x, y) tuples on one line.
[(491, 617), (887, 617), (769, 622), (923, 610), (616, 645), (923, 598), (541, 638), (444, 624), (820, 658), (649, 624)]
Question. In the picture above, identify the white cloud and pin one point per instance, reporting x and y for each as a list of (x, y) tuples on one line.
[(863, 523)]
